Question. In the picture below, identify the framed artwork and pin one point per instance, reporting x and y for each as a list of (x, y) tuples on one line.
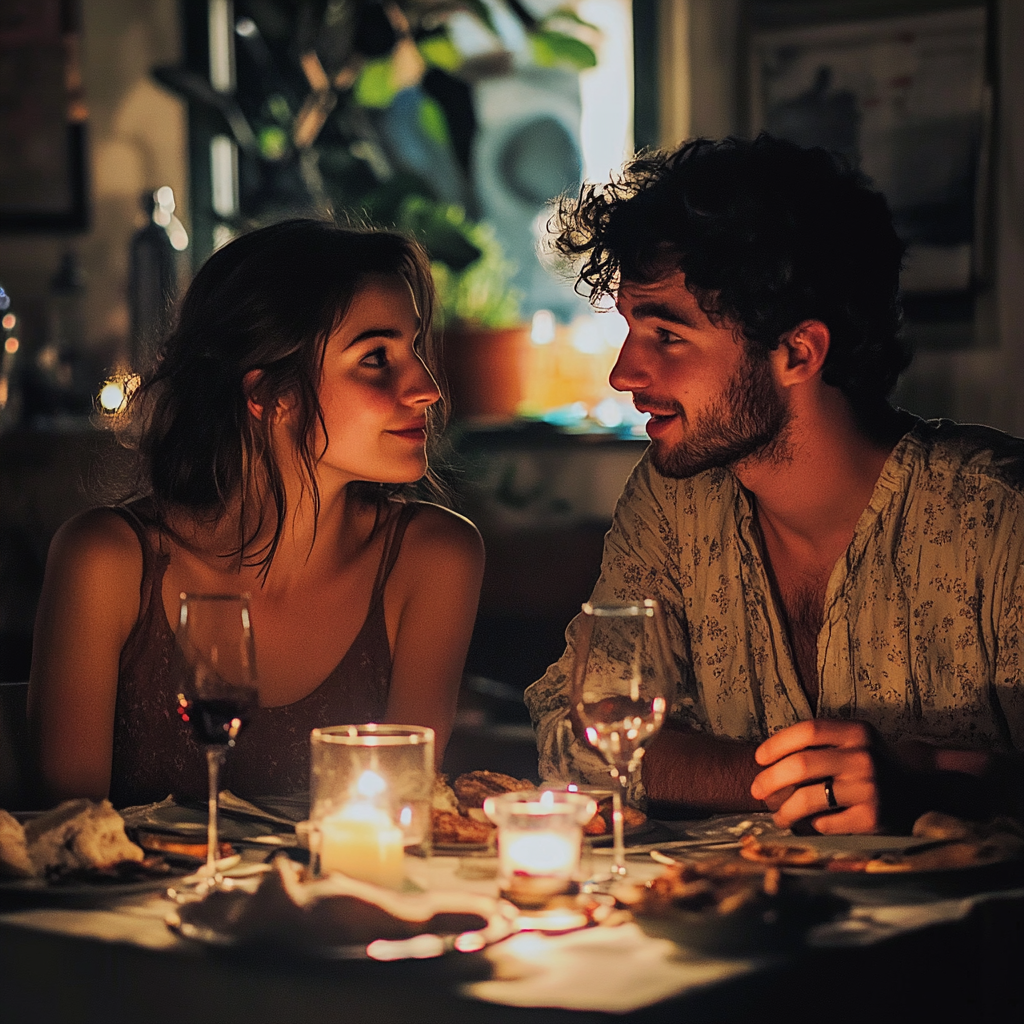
[(908, 101), (42, 117)]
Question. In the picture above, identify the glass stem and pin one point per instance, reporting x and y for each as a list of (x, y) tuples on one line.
[(618, 843), (214, 760)]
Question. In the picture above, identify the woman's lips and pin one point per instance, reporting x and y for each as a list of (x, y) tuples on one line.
[(414, 434)]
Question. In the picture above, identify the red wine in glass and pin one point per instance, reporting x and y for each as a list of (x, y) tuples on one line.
[(218, 688), (216, 720)]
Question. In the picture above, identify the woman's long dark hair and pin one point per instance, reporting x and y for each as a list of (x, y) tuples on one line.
[(267, 301)]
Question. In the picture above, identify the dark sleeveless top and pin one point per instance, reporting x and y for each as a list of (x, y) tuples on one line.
[(154, 753)]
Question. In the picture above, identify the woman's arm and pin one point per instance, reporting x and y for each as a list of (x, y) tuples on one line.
[(89, 603), (430, 607)]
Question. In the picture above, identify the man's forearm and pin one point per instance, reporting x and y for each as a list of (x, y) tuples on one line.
[(700, 774)]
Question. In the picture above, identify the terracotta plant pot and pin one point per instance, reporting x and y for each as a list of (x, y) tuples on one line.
[(486, 368)]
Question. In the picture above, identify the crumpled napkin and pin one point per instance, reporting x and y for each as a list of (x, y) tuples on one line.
[(614, 969), (331, 912)]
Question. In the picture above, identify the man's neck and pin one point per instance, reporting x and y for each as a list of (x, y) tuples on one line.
[(808, 502)]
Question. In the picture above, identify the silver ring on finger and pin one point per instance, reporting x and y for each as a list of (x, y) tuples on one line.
[(830, 794)]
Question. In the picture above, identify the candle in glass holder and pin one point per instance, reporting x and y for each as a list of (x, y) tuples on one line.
[(361, 840), (370, 792), (539, 840)]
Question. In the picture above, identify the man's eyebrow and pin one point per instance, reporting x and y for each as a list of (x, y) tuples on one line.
[(652, 310)]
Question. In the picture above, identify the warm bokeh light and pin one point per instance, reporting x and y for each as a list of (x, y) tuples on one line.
[(566, 367), (11, 345), (115, 392), (542, 330), (111, 397), (8, 321), (163, 214)]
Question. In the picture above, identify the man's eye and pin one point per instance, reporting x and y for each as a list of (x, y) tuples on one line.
[(667, 337), (377, 359)]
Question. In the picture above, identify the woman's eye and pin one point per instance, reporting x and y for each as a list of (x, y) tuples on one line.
[(377, 359)]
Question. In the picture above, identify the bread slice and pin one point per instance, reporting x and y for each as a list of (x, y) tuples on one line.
[(79, 834), (14, 858)]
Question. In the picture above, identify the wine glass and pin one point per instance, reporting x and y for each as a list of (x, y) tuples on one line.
[(217, 691), (620, 691)]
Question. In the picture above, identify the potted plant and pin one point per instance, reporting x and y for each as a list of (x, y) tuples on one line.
[(365, 107)]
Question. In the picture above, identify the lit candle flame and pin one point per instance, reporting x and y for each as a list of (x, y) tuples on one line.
[(370, 785)]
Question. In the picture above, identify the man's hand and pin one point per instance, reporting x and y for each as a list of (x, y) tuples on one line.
[(804, 757)]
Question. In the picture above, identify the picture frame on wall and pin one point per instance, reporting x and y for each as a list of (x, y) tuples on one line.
[(907, 100), (43, 184)]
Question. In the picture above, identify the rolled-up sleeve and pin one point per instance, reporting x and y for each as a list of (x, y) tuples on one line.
[(640, 560)]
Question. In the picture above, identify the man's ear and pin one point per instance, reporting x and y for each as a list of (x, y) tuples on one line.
[(801, 353)]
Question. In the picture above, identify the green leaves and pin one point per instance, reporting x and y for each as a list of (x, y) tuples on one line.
[(375, 87), (273, 142), (440, 52), (567, 14), (553, 49), (443, 230), (433, 122)]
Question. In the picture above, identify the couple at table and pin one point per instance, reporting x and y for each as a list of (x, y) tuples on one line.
[(842, 581)]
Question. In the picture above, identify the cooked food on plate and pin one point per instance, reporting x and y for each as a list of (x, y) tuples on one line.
[(473, 788), (82, 839), (727, 905), (455, 829), (779, 854), (178, 847), (710, 887), (457, 805), (955, 844), (601, 823), (14, 859)]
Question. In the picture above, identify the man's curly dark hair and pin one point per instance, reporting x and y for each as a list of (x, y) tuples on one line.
[(768, 234)]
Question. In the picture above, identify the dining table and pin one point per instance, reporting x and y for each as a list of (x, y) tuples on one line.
[(948, 946)]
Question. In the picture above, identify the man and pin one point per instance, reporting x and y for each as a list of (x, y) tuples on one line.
[(843, 582)]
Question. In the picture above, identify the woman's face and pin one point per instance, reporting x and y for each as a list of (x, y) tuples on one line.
[(375, 389)]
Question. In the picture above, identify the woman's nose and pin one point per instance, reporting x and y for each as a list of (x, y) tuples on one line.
[(629, 372), (422, 389)]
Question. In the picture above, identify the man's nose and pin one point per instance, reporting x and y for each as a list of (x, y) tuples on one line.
[(629, 372)]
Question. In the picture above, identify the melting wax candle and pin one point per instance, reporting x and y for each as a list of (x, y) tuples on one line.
[(543, 853), (362, 841)]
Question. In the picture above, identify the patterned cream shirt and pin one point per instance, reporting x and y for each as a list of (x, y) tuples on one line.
[(922, 632)]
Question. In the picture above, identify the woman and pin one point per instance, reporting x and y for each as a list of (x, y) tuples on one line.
[(289, 405)]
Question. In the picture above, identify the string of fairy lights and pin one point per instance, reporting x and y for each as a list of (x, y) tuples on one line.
[(8, 323)]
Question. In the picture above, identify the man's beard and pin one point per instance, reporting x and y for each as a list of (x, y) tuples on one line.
[(750, 419)]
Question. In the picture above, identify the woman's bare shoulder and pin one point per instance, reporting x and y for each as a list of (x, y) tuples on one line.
[(98, 540), (90, 598), (435, 528)]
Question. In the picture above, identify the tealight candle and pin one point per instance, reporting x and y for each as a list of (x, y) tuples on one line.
[(539, 840), (542, 853)]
